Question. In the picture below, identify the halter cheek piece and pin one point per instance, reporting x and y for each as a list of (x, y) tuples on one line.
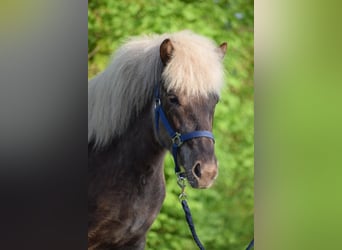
[(177, 138)]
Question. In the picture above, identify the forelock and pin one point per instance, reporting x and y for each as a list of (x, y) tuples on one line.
[(195, 68)]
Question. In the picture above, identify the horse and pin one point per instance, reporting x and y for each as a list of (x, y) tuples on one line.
[(154, 84)]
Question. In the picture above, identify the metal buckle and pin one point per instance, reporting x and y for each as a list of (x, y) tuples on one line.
[(157, 103), (177, 139), (181, 181)]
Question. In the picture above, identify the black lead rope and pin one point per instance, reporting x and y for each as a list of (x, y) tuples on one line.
[(191, 224), (250, 245), (182, 197)]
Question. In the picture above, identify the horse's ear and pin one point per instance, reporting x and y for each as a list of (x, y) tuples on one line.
[(166, 49), (222, 49)]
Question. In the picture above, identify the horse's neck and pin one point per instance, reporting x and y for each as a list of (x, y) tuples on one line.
[(139, 142), (126, 184), (133, 154)]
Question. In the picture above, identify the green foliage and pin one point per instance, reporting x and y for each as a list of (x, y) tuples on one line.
[(223, 214)]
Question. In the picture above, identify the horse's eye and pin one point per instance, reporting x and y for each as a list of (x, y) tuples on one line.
[(173, 99)]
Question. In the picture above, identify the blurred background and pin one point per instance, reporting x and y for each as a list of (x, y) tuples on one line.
[(223, 214)]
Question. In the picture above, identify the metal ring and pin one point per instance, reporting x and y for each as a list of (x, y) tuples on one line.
[(181, 181), (158, 102), (182, 197), (177, 139)]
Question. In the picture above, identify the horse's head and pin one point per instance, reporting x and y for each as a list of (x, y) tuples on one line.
[(188, 112)]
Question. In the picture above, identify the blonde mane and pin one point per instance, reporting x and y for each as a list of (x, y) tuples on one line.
[(124, 88)]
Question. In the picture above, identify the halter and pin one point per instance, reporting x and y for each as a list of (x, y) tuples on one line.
[(177, 138), (177, 141)]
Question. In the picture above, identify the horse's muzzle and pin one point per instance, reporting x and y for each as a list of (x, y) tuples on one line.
[(205, 173)]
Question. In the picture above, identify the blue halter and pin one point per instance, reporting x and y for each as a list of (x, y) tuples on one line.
[(177, 138), (177, 141)]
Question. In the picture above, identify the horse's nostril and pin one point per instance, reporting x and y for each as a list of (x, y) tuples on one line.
[(197, 170)]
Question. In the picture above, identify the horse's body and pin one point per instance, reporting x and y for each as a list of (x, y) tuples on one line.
[(126, 154)]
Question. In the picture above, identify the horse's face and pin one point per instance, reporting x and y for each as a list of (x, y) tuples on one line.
[(196, 156), (186, 114)]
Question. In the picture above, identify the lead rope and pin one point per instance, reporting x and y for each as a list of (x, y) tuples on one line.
[(182, 197), (250, 245)]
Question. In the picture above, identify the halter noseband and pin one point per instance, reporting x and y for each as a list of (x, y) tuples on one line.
[(177, 138)]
